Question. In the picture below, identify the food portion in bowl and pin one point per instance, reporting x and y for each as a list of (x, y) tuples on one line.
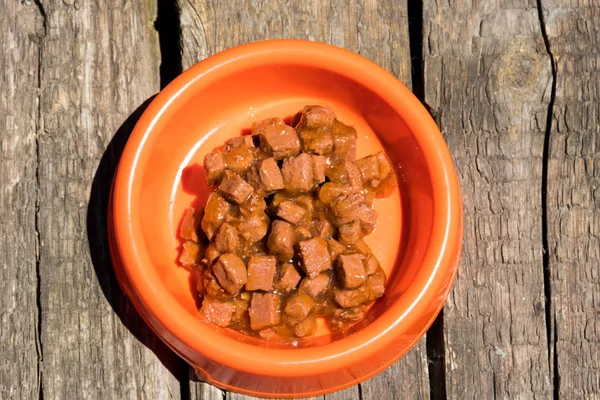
[(280, 242)]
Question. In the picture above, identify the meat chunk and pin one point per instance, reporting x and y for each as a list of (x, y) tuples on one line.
[(315, 286), (235, 188), (231, 273), (276, 138), (264, 310), (371, 264), (212, 253), (385, 166), (350, 297), (367, 217), (344, 142), (239, 153), (351, 270), (303, 234), (226, 239), (288, 278), (255, 227), (255, 204), (345, 207), (212, 287), (214, 165), (316, 141), (335, 248), (189, 225), (347, 174), (316, 117), (376, 284), (350, 233), (281, 240), (261, 270), (331, 190), (369, 168), (290, 212), (191, 254), (217, 208), (297, 307), (319, 168), (266, 176), (322, 228), (306, 327), (315, 256), (298, 173), (217, 312)]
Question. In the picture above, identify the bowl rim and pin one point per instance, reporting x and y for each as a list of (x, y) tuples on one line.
[(425, 295)]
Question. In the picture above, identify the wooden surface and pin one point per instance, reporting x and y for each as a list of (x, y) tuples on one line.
[(514, 86)]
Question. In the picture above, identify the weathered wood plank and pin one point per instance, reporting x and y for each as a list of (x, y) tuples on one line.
[(20, 30), (573, 196), (487, 80), (377, 30), (100, 61)]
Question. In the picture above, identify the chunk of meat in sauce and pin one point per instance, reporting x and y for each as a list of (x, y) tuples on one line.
[(281, 240), (261, 270), (322, 227), (239, 153), (316, 285), (217, 312), (211, 254), (290, 212), (376, 284), (344, 142), (288, 279), (254, 227), (298, 173), (189, 225), (319, 168), (350, 233), (303, 234), (346, 173), (315, 256), (235, 188), (345, 206), (191, 254), (226, 239), (214, 165), (316, 117), (374, 168), (264, 310), (306, 327), (351, 270), (217, 208), (316, 140), (367, 217), (351, 297), (266, 176), (335, 248), (276, 138), (371, 264), (331, 190), (231, 273), (213, 288), (297, 307)]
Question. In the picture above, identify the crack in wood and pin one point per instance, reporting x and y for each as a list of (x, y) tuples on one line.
[(551, 339), (38, 333)]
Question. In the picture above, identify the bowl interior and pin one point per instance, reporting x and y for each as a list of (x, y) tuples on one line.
[(170, 176)]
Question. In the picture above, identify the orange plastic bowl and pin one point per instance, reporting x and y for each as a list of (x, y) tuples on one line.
[(417, 240)]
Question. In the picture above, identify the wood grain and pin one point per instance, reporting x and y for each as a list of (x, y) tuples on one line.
[(20, 31), (100, 62), (377, 30), (573, 196), (487, 80)]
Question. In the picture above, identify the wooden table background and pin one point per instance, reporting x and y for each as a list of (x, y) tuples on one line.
[(513, 84)]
